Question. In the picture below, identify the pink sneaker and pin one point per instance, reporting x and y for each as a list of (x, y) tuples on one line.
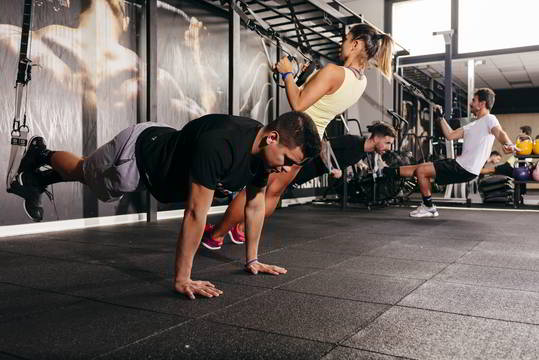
[(207, 241), (237, 236)]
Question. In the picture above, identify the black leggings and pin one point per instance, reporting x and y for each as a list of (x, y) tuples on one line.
[(348, 149)]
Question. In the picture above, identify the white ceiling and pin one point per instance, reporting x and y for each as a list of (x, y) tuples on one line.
[(508, 71)]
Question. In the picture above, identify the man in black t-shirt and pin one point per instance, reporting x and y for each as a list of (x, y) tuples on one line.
[(348, 150), (186, 165)]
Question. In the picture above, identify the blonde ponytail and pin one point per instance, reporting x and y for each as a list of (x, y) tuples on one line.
[(384, 56)]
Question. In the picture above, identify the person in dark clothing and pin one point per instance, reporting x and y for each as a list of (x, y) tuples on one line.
[(348, 150), (526, 130), (211, 152)]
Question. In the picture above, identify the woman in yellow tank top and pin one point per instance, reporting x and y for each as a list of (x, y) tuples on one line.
[(327, 93)]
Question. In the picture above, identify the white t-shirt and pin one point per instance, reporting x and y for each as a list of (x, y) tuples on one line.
[(478, 142)]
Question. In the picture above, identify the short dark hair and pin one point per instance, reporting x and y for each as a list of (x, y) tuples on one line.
[(381, 129), (495, 153), (297, 129), (486, 95), (526, 129)]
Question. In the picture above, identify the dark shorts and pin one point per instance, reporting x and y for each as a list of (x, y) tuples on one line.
[(348, 150), (448, 171)]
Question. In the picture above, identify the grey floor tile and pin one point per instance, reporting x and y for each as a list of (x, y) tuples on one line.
[(417, 252), (5, 356), (28, 237), (285, 236), (206, 340), (422, 334), (9, 260), (77, 251), (491, 277), (345, 244), (352, 285), (301, 315), (17, 301), (158, 263), (234, 273), (512, 305), (141, 236), (516, 260), (64, 276), (206, 259), (454, 242), (346, 353), (161, 297), (510, 245), (392, 267), (304, 258), (128, 270), (80, 331)]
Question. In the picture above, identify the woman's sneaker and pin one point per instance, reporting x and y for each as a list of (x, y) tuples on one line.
[(423, 211), (236, 235), (208, 241)]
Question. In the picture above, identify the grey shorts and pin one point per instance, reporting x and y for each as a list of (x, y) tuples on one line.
[(111, 170)]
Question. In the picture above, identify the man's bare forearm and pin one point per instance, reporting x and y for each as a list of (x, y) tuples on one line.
[(187, 244), (254, 221), (446, 129), (503, 138)]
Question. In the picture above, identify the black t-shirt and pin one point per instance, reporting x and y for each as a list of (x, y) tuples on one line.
[(215, 149), (348, 149)]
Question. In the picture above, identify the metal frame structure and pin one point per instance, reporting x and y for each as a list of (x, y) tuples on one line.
[(322, 24), (322, 28)]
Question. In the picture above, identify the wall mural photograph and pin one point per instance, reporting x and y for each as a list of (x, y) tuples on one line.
[(88, 73)]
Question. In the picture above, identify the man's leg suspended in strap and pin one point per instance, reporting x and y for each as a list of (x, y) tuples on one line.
[(31, 180)]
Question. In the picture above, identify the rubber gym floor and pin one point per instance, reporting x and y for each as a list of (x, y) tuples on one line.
[(360, 285)]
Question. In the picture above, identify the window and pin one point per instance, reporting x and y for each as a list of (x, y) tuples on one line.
[(414, 21), (497, 24)]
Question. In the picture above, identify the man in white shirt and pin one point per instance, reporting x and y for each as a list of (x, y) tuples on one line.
[(478, 138)]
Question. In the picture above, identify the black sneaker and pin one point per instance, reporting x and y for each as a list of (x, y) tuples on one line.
[(33, 156), (31, 195)]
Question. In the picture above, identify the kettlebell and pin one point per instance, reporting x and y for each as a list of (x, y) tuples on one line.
[(522, 173), (525, 144), (536, 147)]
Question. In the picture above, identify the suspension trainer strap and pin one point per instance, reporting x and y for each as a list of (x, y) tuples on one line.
[(255, 23), (332, 157), (19, 131), (328, 156), (303, 42), (413, 89)]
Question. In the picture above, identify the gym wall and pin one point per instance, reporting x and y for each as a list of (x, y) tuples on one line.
[(80, 99), (68, 104)]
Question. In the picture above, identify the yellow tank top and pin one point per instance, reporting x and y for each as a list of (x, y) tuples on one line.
[(329, 106)]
